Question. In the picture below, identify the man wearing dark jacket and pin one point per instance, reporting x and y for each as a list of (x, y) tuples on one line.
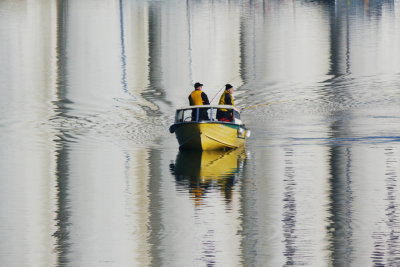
[(226, 99), (196, 98)]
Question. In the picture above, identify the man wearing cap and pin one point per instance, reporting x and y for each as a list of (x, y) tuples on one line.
[(196, 98), (226, 99)]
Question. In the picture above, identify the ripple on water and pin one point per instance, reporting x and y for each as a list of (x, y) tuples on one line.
[(343, 93), (337, 111), (120, 124)]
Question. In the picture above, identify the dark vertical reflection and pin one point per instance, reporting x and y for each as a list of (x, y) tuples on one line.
[(289, 211), (247, 43), (249, 220), (62, 233), (155, 92), (341, 194), (339, 41), (63, 209), (343, 14), (190, 48), (387, 243), (156, 224), (392, 209), (62, 84), (249, 200), (123, 53), (253, 35), (341, 211), (124, 80)]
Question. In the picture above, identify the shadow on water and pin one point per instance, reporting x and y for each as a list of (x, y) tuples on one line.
[(200, 172)]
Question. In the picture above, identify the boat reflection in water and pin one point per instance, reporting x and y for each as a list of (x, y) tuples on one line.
[(203, 171), (209, 183)]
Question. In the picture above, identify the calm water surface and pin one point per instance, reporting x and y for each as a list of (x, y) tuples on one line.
[(90, 176)]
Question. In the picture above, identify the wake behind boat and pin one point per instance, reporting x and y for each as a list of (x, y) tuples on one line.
[(196, 127)]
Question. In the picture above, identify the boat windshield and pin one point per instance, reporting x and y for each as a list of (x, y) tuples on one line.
[(207, 114)]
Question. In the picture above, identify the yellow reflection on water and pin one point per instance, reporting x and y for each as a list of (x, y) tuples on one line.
[(210, 181), (200, 171)]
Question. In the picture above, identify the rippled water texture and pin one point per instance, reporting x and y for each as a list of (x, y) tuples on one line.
[(90, 175)]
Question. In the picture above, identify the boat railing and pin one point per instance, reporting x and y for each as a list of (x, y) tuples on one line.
[(207, 113)]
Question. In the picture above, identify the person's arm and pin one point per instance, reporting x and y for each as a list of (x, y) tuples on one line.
[(205, 99), (228, 99), (190, 101)]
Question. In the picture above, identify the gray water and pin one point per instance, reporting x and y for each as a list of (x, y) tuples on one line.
[(90, 175)]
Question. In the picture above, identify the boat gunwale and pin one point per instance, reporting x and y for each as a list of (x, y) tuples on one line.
[(214, 107), (212, 122), (209, 106)]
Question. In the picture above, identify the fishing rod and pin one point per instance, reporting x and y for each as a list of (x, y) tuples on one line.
[(224, 87), (265, 104), (259, 105)]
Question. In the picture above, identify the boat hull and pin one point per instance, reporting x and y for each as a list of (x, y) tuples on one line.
[(210, 135)]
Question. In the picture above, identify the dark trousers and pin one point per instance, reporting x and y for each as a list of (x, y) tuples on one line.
[(224, 115)]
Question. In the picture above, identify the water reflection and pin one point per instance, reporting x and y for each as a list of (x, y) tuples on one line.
[(211, 180), (63, 212), (387, 238), (87, 88), (341, 206), (200, 172)]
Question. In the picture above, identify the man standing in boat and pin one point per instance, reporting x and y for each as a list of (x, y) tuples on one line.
[(226, 99), (196, 98)]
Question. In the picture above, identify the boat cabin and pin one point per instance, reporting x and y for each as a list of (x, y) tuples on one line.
[(208, 113)]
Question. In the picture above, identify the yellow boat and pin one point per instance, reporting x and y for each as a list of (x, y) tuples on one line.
[(197, 128)]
